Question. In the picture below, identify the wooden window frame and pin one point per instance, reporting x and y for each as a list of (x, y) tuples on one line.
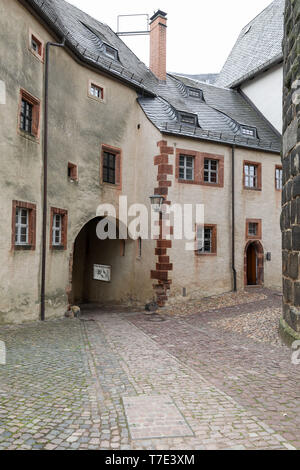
[(64, 230), (118, 166), (278, 167), (258, 165), (40, 54), (73, 172), (31, 225), (185, 167), (258, 236), (36, 104), (98, 85), (214, 241), (199, 158)]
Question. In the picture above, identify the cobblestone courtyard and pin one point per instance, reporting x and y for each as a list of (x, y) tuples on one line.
[(213, 375)]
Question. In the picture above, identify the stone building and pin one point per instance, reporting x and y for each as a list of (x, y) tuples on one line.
[(113, 127), (290, 218)]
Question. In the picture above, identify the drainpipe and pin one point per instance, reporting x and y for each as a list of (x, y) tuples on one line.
[(233, 218), (45, 171)]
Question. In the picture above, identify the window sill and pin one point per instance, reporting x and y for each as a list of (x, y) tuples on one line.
[(111, 185), (98, 100), (73, 180), (30, 137), (252, 189), (188, 181), (58, 248), (213, 185), (36, 55), (23, 247), (206, 254)]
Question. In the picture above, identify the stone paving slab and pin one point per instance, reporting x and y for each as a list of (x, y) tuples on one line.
[(154, 416)]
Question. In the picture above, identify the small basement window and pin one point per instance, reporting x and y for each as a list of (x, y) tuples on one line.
[(186, 118), (249, 131)]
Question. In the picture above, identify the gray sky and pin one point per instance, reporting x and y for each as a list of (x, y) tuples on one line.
[(200, 33)]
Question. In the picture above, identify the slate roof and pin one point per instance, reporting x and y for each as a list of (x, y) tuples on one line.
[(219, 115), (259, 45), (202, 77), (86, 36)]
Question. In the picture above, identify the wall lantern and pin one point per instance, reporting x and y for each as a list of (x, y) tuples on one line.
[(156, 202)]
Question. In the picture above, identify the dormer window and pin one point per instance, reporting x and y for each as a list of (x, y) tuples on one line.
[(195, 93), (186, 118), (249, 131), (110, 52)]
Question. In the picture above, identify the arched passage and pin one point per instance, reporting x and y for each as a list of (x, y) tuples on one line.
[(101, 269), (254, 264)]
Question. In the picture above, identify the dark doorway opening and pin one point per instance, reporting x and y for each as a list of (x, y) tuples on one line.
[(91, 253), (254, 264)]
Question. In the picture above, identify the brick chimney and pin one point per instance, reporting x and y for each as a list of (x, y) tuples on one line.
[(158, 45)]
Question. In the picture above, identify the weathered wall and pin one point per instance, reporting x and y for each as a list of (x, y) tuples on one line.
[(290, 219), (78, 127), (265, 91), (213, 274)]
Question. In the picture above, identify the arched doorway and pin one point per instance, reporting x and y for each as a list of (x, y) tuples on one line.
[(254, 264), (101, 271)]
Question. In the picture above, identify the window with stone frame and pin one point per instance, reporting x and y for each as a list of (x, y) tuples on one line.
[(211, 168), (95, 91), (111, 166), (29, 114), (36, 45), (252, 175), (253, 228), (186, 167), (23, 225), (206, 240), (58, 232)]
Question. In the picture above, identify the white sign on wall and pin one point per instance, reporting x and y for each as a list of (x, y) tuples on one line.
[(102, 272)]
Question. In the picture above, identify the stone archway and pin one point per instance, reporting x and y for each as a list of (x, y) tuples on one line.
[(87, 285), (254, 263)]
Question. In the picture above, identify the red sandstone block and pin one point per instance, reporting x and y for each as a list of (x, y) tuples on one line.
[(164, 259), (161, 143), (161, 275), (165, 169), (160, 251), (161, 159), (168, 150), (162, 177), (164, 243), (165, 184), (164, 267), (161, 191)]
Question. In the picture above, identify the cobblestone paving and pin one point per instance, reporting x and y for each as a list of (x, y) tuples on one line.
[(66, 381)]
